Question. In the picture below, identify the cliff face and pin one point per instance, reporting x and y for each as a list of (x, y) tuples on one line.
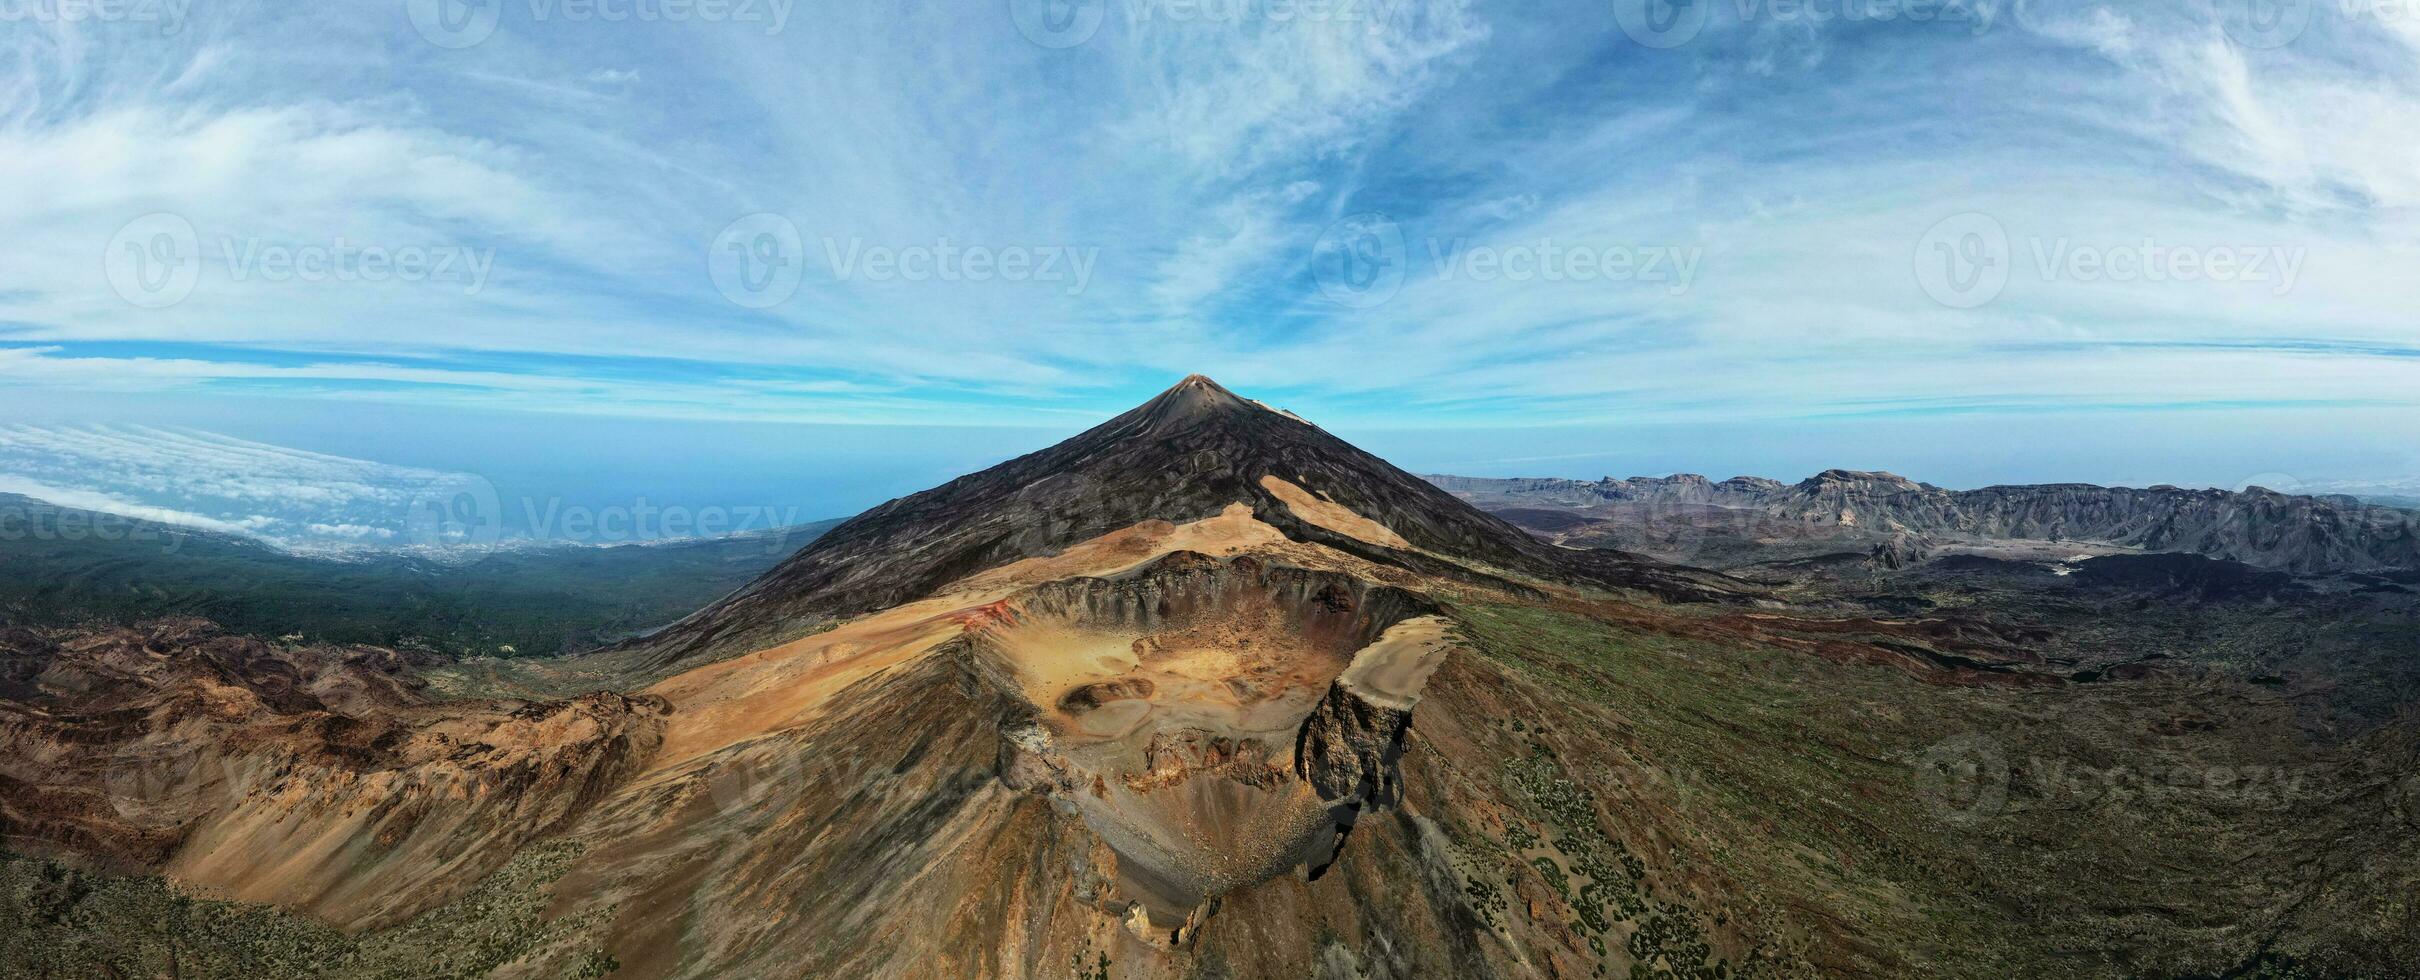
[(2255, 526)]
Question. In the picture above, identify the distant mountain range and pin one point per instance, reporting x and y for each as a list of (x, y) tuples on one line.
[(2255, 526)]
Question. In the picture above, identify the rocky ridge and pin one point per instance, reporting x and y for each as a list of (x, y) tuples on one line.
[(2255, 526)]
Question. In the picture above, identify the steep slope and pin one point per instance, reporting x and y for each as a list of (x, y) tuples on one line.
[(1183, 456), (2255, 526)]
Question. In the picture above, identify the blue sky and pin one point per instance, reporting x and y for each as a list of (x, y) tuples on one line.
[(1988, 241)]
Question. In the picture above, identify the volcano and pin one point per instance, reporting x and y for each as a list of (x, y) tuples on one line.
[(1188, 454), (1202, 692)]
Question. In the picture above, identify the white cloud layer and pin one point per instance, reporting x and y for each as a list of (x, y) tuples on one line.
[(287, 497)]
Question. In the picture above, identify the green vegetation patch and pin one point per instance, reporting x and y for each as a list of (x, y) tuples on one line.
[(60, 921)]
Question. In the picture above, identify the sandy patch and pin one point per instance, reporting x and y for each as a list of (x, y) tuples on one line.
[(1333, 516), (1233, 532), (1392, 671)]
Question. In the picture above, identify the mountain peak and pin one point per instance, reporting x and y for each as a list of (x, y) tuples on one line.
[(1872, 478), (1194, 398)]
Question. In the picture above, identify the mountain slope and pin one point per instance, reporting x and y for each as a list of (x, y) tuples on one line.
[(1183, 456)]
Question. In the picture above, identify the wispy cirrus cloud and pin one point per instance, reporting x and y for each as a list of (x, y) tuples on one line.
[(1222, 173)]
